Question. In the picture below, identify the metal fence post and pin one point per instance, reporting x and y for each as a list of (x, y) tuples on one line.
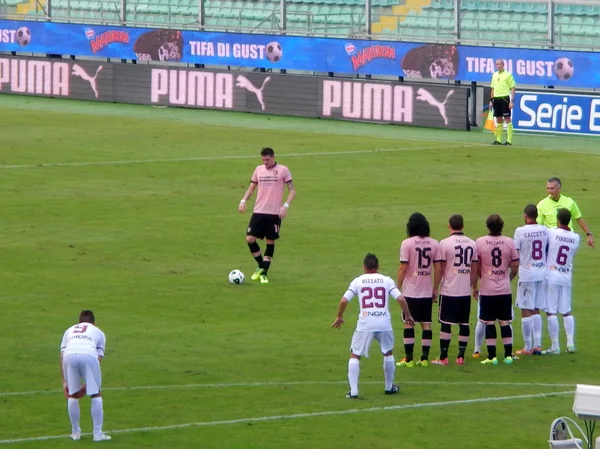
[(282, 15), (368, 17), (201, 13), (123, 11), (456, 20), (551, 23)]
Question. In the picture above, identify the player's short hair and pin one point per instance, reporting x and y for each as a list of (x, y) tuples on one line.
[(371, 262), (555, 179), (87, 316), (531, 211), (456, 222), (418, 226), (495, 224), (266, 151), (563, 216)]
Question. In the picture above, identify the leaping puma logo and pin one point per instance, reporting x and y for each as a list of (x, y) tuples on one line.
[(245, 83), (81, 73), (426, 96)]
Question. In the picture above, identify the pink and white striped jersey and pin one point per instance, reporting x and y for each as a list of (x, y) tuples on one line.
[(419, 253), (458, 252), (496, 252)]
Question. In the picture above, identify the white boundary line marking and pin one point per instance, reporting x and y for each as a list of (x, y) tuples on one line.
[(300, 416), (282, 384), (244, 156)]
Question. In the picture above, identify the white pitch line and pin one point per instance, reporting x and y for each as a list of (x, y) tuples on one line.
[(283, 384), (218, 158), (299, 416)]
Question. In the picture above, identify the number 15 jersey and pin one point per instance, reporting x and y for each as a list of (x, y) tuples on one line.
[(419, 253), (373, 291), (495, 252)]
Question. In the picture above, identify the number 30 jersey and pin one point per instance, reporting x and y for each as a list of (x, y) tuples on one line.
[(83, 338), (495, 252), (459, 253), (531, 241), (419, 253), (373, 291), (562, 246)]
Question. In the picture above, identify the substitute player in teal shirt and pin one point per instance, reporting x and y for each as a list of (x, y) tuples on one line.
[(549, 206)]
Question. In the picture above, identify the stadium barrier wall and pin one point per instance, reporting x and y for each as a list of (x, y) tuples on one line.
[(566, 69), (435, 106)]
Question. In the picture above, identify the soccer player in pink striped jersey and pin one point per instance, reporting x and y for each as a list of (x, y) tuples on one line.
[(498, 266), (419, 263), (270, 179), (459, 271)]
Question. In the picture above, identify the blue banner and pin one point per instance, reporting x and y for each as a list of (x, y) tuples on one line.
[(428, 61), (557, 113)]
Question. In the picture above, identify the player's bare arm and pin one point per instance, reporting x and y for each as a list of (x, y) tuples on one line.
[(514, 269), (402, 274), (408, 319), (291, 195), (246, 197), (438, 269), (339, 320), (474, 274), (512, 97), (586, 229)]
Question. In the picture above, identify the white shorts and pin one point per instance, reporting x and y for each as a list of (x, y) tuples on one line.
[(362, 340), (531, 295), (82, 366), (558, 298)]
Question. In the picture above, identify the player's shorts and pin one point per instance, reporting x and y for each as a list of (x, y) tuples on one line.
[(501, 108), (455, 309), (495, 308), (361, 341), (558, 298), (264, 226), (420, 309), (82, 366), (531, 295)]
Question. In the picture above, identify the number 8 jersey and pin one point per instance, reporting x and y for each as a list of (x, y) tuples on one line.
[(531, 241), (562, 246), (373, 291)]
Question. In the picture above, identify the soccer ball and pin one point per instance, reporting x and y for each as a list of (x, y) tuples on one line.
[(274, 51), (563, 68), (23, 36), (236, 277)]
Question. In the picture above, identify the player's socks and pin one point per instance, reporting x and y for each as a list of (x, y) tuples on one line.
[(409, 343), (445, 336), (553, 331), (74, 414), (426, 337), (353, 372), (463, 339), (266, 265), (479, 336), (490, 340), (527, 328), (498, 132), (569, 323), (255, 251), (537, 330), (97, 415), (509, 132), (507, 339), (389, 368)]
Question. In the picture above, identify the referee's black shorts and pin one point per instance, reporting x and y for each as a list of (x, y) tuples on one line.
[(501, 108)]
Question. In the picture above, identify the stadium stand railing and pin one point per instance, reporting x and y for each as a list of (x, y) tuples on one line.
[(573, 24)]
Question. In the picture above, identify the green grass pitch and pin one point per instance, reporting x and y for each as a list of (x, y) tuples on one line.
[(132, 211)]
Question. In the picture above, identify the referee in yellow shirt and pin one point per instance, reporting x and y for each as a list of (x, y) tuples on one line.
[(549, 206), (503, 95)]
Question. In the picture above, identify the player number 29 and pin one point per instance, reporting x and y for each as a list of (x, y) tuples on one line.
[(373, 297)]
